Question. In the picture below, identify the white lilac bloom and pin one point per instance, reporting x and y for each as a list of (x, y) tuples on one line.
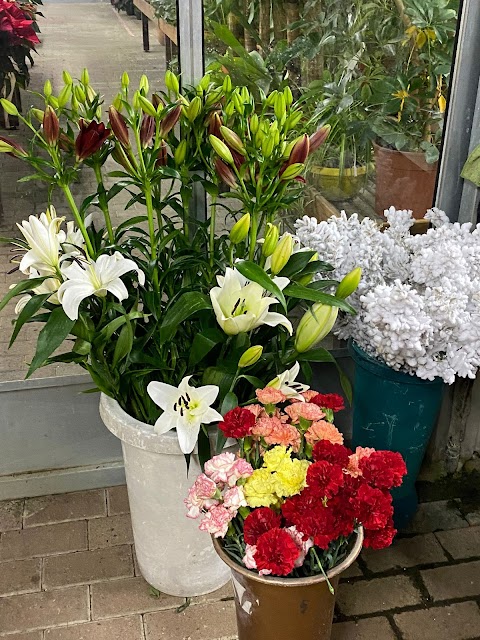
[(44, 239), (288, 385), (85, 279), (242, 306), (185, 408)]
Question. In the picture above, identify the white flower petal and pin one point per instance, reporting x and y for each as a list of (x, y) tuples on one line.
[(71, 294), (187, 435), (164, 395), (211, 415), (166, 422), (275, 319), (118, 289), (208, 393)]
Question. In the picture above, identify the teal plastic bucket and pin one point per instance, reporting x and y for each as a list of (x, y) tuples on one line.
[(396, 411)]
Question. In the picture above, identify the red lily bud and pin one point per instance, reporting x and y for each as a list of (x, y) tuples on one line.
[(214, 124), (162, 157), (147, 130), (157, 100), (65, 143), (225, 173), (318, 138), (119, 126), (119, 157), (170, 120), (18, 152), (237, 157), (300, 150), (51, 126), (90, 138)]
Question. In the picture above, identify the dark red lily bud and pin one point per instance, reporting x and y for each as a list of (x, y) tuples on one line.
[(90, 138), (300, 150), (65, 143), (318, 138), (147, 130), (225, 173), (18, 152), (119, 157), (157, 100), (51, 126), (118, 126), (170, 120), (162, 157), (214, 124), (237, 157)]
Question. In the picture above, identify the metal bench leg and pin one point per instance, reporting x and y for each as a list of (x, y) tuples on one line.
[(146, 39)]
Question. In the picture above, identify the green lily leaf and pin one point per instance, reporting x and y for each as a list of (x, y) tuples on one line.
[(24, 285), (306, 293), (186, 306), (30, 309), (55, 331), (255, 273)]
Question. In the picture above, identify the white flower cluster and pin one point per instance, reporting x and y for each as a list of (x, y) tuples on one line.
[(418, 301)]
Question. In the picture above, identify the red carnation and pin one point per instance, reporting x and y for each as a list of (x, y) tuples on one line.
[(343, 514), (381, 538), (374, 507), (333, 453), (276, 552), (259, 522), (311, 517), (325, 478), (237, 423), (383, 469), (329, 401)]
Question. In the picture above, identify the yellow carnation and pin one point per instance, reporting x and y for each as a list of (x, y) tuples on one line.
[(291, 478), (275, 458), (259, 489)]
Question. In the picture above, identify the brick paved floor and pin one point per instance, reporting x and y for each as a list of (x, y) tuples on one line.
[(68, 572)]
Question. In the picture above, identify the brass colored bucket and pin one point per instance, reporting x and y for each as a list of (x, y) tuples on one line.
[(272, 608)]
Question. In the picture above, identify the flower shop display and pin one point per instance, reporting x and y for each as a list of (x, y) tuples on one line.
[(175, 322), (291, 510), (416, 326)]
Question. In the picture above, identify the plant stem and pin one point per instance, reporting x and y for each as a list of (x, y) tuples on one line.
[(79, 221), (211, 239), (330, 588), (103, 203), (151, 228)]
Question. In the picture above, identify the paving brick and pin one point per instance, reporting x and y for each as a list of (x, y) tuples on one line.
[(114, 629), (437, 516), (456, 622), (43, 609), (11, 515), (109, 532), (117, 500), (124, 597), (201, 622), (455, 581), (65, 507), (29, 635), (363, 630), (404, 553), (88, 566), (224, 593), (461, 544), (20, 576), (473, 517), (43, 541), (379, 594)]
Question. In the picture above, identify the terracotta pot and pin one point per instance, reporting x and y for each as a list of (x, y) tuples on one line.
[(404, 180), (270, 608)]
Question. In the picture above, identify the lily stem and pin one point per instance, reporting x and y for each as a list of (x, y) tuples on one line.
[(103, 203), (79, 220)]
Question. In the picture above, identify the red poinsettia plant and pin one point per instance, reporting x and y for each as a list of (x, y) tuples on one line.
[(291, 499)]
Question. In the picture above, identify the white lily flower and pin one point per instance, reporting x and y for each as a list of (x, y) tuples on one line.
[(95, 278), (242, 306), (44, 238), (74, 241), (288, 385), (50, 285), (185, 408)]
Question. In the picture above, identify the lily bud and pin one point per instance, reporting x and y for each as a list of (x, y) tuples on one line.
[(279, 106), (250, 357), (238, 103), (319, 137), (157, 101), (53, 102), (221, 149), (271, 239), (162, 158), (227, 84), (229, 109), (12, 148), (117, 102), (170, 120), (146, 106), (67, 78), (240, 229), (282, 253), (270, 100), (143, 85), (125, 80), (349, 283), (288, 95), (37, 114), (91, 94), (118, 126), (289, 148), (51, 126), (64, 95), (147, 130), (268, 145), (47, 89), (194, 109), (316, 323), (6, 147), (225, 173), (85, 77), (90, 138), (300, 151), (135, 100), (180, 153), (254, 123), (292, 171), (171, 82), (80, 94), (9, 107), (213, 96), (233, 140), (120, 157), (293, 119), (214, 124)]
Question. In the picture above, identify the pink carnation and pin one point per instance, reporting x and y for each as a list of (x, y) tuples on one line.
[(305, 410), (323, 430), (274, 431), (257, 410), (216, 521), (354, 460), (234, 498), (304, 546), (241, 469), (200, 496), (269, 395), (249, 560), (220, 467)]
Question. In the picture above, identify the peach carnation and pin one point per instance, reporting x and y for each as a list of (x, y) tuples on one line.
[(274, 431), (306, 410), (323, 430), (257, 410), (353, 461), (269, 395)]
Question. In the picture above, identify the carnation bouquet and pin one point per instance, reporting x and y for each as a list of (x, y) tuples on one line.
[(418, 299), (290, 501), (176, 321)]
